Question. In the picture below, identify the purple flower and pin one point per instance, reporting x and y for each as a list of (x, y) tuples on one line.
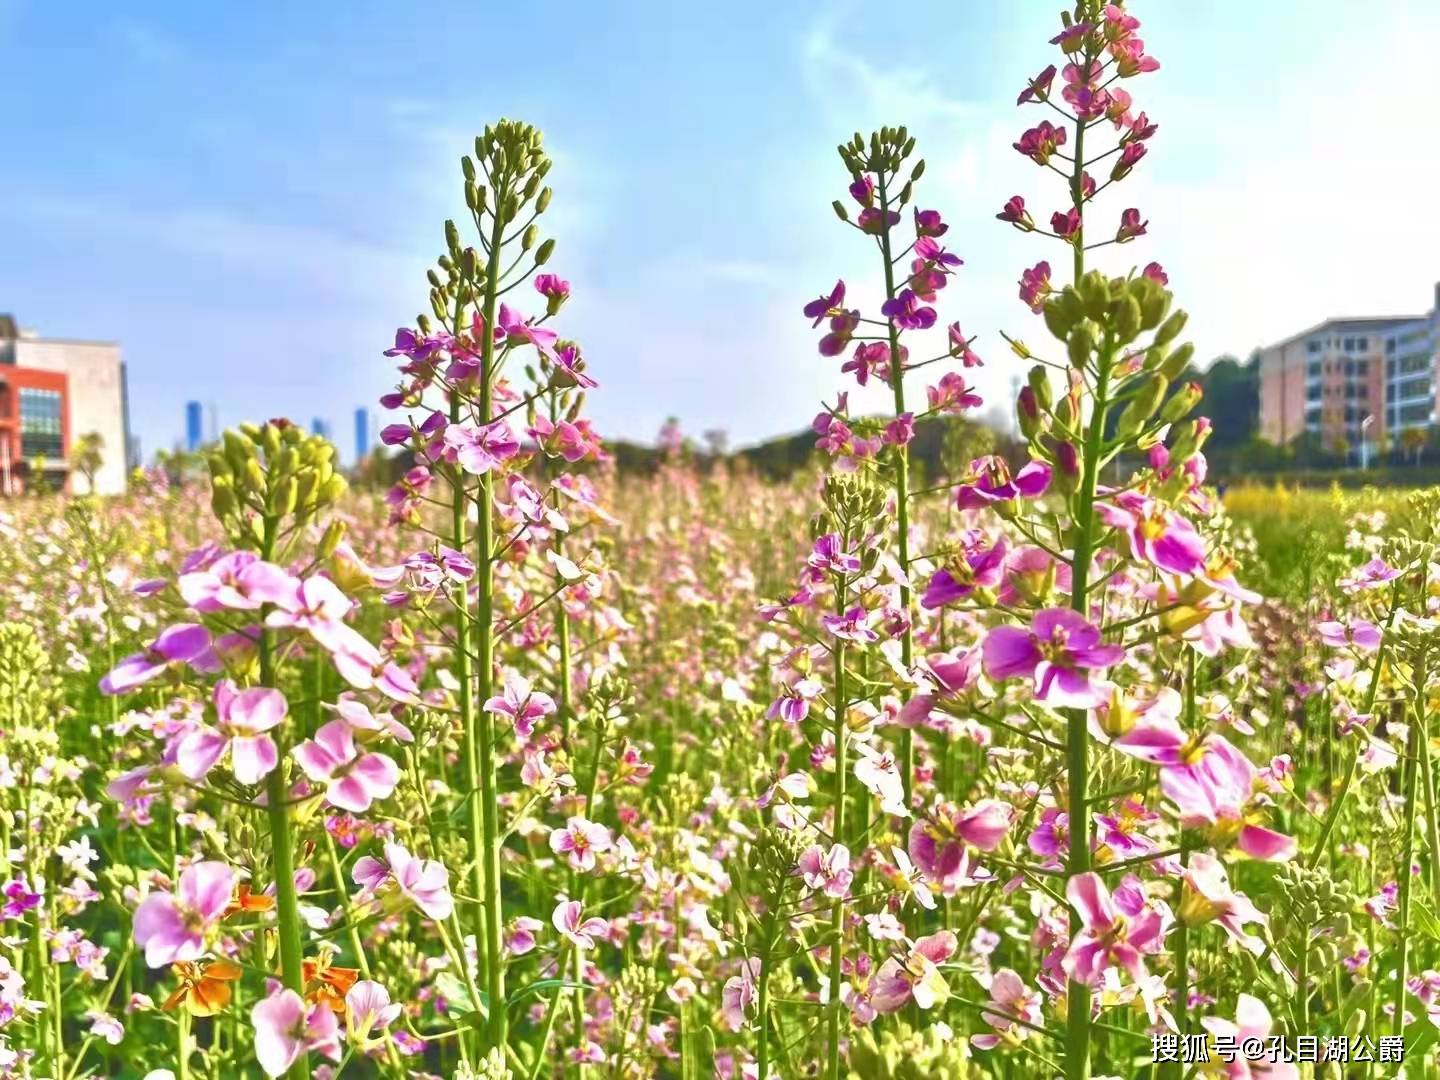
[(555, 291), (182, 643), (829, 554), (988, 481), (977, 568), (171, 928), (521, 704), (906, 312), (1156, 534), (854, 625), (240, 581), (929, 223), (409, 343), (517, 331), (820, 308), (407, 878), (1360, 633), (1058, 652)]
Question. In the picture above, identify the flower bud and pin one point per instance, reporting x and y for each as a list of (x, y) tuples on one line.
[(918, 171), (531, 234), (1142, 407), (1094, 290), (222, 498), (543, 253), (1176, 363), (467, 166), (1081, 344), (1040, 383), (1126, 322), (334, 533), (840, 211), (452, 236), (1154, 302), (1027, 413), (543, 202), (1067, 468), (1170, 328), (1185, 399)]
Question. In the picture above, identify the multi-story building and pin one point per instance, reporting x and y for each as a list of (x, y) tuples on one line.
[(1352, 382), (53, 392)]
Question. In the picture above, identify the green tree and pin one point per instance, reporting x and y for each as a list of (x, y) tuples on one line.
[(87, 456)]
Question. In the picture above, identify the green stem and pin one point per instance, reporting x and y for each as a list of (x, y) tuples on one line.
[(1407, 849), (282, 842), (902, 491), (838, 834)]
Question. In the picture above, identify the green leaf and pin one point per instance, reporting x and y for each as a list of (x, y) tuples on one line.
[(1424, 920), (540, 986)]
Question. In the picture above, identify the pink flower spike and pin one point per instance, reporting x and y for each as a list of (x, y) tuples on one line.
[(284, 1028), (521, 704)]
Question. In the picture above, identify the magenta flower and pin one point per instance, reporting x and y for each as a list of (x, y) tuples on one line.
[(1107, 938), (951, 674), (1066, 224), (1041, 141), (184, 643), (353, 778), (1016, 214), (580, 841), (939, 843), (906, 312), (410, 344), (863, 190), (869, 358), (1058, 652), (579, 932), (285, 1028), (826, 871), (951, 394), (915, 977), (842, 329), (477, 450), (521, 704), (1035, 286), (517, 331), (1130, 226), (171, 928), (1155, 272), (874, 221), (244, 718), (555, 291), (408, 879), (976, 568), (830, 555), (854, 626), (1081, 92), (825, 306), (1156, 534), (1038, 89), (1129, 157), (20, 898), (988, 481), (960, 348)]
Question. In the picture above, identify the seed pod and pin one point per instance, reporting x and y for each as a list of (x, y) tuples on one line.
[(1176, 363), (1081, 344), (543, 253), (1142, 407), (1127, 319), (543, 202)]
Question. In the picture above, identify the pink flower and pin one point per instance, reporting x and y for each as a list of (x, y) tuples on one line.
[(951, 394), (477, 450), (938, 843), (516, 330), (353, 779), (854, 625), (1129, 157), (827, 872), (1130, 226), (1155, 272), (988, 481), (1156, 534), (1008, 991), (579, 932), (829, 555), (1041, 141), (825, 306), (171, 928), (880, 773), (1035, 286), (367, 1007), (521, 704), (362, 720), (407, 878), (740, 994), (239, 581), (555, 291), (522, 935), (976, 569), (1066, 224), (1038, 89), (579, 841), (1360, 633), (284, 1028), (1015, 213), (1205, 896), (1251, 1028), (1107, 938), (1058, 652), (182, 643), (244, 718), (916, 976)]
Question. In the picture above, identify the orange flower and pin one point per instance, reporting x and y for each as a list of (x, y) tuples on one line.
[(204, 987), (326, 984), (245, 900)]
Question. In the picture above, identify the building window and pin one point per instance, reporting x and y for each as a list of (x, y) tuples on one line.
[(1313, 369), (1418, 413), (1362, 367), (1313, 393), (41, 429), (1362, 343), (1313, 345)]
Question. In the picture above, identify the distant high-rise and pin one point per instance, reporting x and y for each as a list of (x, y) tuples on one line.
[(362, 434), (320, 427), (194, 426)]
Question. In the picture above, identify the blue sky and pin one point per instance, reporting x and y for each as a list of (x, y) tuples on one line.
[(247, 196)]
